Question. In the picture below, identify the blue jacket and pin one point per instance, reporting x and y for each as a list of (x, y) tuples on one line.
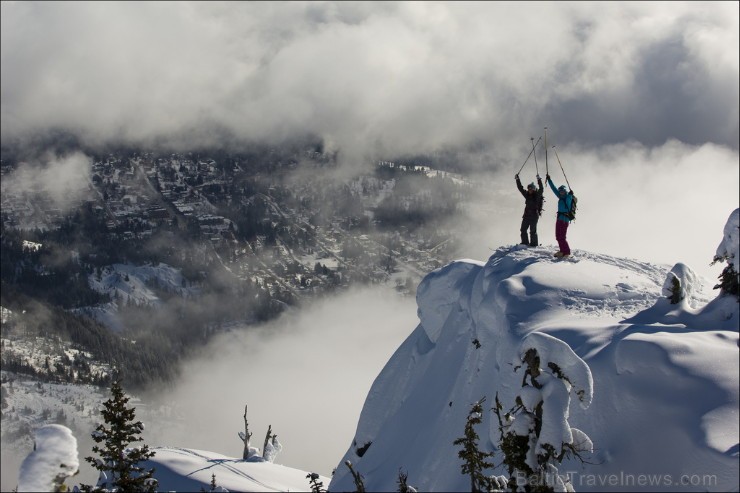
[(564, 203)]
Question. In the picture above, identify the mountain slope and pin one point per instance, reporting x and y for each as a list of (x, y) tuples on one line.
[(665, 377), (180, 469)]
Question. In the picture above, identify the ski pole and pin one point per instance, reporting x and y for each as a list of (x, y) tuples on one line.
[(547, 169), (536, 166), (530, 154), (561, 168)]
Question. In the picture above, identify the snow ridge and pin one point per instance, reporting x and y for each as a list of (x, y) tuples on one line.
[(600, 322)]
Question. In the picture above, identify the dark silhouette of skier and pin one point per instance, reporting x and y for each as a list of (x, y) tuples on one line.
[(532, 210)]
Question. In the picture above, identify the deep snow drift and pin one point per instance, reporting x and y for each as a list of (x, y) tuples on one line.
[(664, 410), (179, 469)]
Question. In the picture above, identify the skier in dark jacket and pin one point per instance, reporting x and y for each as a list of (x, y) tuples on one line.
[(533, 199)]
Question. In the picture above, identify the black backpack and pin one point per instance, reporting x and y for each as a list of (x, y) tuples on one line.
[(571, 214), (541, 203)]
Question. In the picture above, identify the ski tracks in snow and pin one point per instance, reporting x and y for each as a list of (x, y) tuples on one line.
[(223, 463), (622, 298), (588, 284)]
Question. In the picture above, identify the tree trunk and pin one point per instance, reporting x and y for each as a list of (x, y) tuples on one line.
[(247, 435), (267, 440)]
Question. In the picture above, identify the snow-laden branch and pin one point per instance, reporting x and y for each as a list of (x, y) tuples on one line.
[(559, 358), (53, 460)]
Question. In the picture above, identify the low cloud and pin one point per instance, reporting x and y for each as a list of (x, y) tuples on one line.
[(663, 204), (307, 375), (64, 179), (371, 78)]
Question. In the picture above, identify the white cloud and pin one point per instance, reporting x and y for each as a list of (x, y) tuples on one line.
[(665, 204), (388, 77), (306, 374), (63, 178)]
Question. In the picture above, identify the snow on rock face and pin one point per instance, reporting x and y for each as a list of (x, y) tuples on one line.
[(605, 323), (53, 460)]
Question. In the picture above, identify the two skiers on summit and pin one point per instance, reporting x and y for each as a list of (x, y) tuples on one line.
[(533, 198), (533, 209)]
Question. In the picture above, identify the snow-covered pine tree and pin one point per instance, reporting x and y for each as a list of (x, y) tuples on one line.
[(727, 251), (475, 461), (53, 460), (213, 486), (118, 463), (403, 485), (535, 433), (317, 486), (729, 278), (674, 289), (728, 281)]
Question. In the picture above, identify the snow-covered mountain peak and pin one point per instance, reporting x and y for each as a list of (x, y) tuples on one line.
[(603, 322), (526, 283)]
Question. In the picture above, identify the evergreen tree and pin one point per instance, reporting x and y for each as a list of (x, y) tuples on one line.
[(213, 485), (726, 252), (675, 290), (357, 477), (118, 462), (403, 485), (475, 460), (317, 486), (530, 456), (729, 279)]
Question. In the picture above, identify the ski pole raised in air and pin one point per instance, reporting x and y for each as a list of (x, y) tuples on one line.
[(530, 154), (536, 166), (561, 168), (547, 170)]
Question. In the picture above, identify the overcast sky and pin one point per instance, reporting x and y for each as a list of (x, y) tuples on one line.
[(380, 77), (641, 99)]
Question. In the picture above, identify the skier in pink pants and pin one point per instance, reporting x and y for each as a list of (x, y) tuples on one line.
[(565, 199)]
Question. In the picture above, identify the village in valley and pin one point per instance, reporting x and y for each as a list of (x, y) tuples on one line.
[(162, 251), (297, 238)]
